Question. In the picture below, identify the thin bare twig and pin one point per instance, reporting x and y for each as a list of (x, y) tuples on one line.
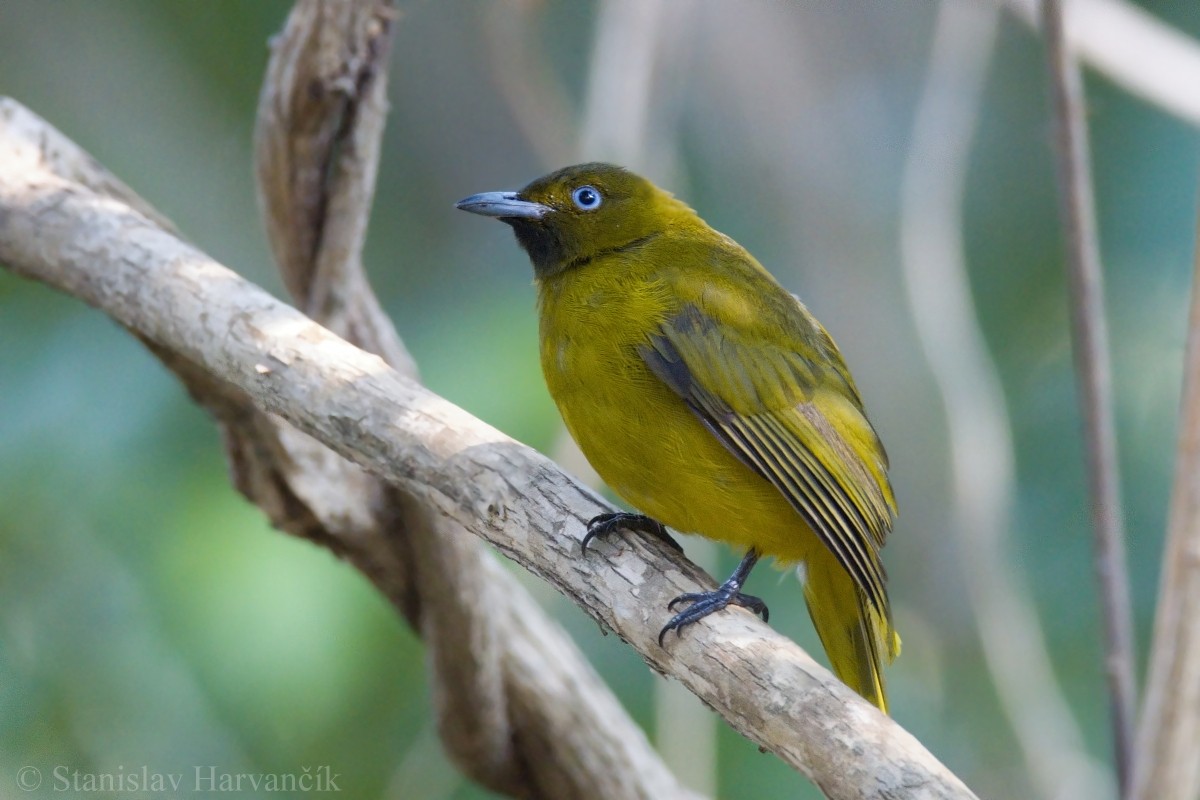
[(1089, 333), (1166, 766), (935, 276), (460, 470)]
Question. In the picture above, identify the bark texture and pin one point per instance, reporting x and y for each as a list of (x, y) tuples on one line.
[(250, 357)]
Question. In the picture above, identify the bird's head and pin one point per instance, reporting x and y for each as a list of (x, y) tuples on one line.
[(567, 218)]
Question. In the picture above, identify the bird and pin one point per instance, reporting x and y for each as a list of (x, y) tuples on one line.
[(709, 399)]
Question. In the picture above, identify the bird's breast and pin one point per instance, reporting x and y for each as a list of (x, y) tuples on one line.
[(640, 436), (590, 331)]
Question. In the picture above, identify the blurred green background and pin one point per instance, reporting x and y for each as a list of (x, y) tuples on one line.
[(149, 616)]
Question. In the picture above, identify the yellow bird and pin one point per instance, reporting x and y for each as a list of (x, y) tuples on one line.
[(710, 399)]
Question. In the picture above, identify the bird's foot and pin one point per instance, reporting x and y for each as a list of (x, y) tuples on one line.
[(728, 593), (605, 524), (705, 603)]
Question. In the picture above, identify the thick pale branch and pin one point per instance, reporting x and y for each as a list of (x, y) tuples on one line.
[(530, 718), (1138, 52), (463, 471), (320, 124)]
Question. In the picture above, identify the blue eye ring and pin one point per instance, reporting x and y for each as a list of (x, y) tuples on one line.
[(587, 198)]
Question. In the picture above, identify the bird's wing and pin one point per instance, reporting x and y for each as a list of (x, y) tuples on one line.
[(790, 412)]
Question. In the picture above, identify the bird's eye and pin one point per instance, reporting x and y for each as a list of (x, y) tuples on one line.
[(587, 198)]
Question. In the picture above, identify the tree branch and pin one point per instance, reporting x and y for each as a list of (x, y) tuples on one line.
[(1166, 767), (546, 729), (504, 679), (981, 441), (1089, 331), (319, 129), (462, 472), (1136, 51)]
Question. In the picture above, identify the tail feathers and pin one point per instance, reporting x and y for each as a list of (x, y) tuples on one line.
[(856, 636)]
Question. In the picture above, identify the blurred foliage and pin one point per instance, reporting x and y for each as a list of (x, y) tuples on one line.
[(148, 616)]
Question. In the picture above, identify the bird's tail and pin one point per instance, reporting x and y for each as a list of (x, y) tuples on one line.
[(856, 636)]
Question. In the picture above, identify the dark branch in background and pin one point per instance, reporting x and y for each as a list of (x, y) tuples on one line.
[(320, 125), (519, 708), (1094, 376), (1166, 765), (451, 473), (508, 725)]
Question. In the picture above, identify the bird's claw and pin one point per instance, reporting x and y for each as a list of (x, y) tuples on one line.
[(604, 524), (705, 603)]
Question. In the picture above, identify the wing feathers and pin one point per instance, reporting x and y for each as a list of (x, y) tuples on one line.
[(844, 521), (761, 401)]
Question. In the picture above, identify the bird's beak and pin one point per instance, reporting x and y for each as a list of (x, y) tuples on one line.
[(504, 205)]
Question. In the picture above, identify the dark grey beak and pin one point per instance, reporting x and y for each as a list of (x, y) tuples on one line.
[(504, 205)]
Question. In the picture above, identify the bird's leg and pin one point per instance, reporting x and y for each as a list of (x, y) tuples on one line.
[(728, 593), (605, 524)]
